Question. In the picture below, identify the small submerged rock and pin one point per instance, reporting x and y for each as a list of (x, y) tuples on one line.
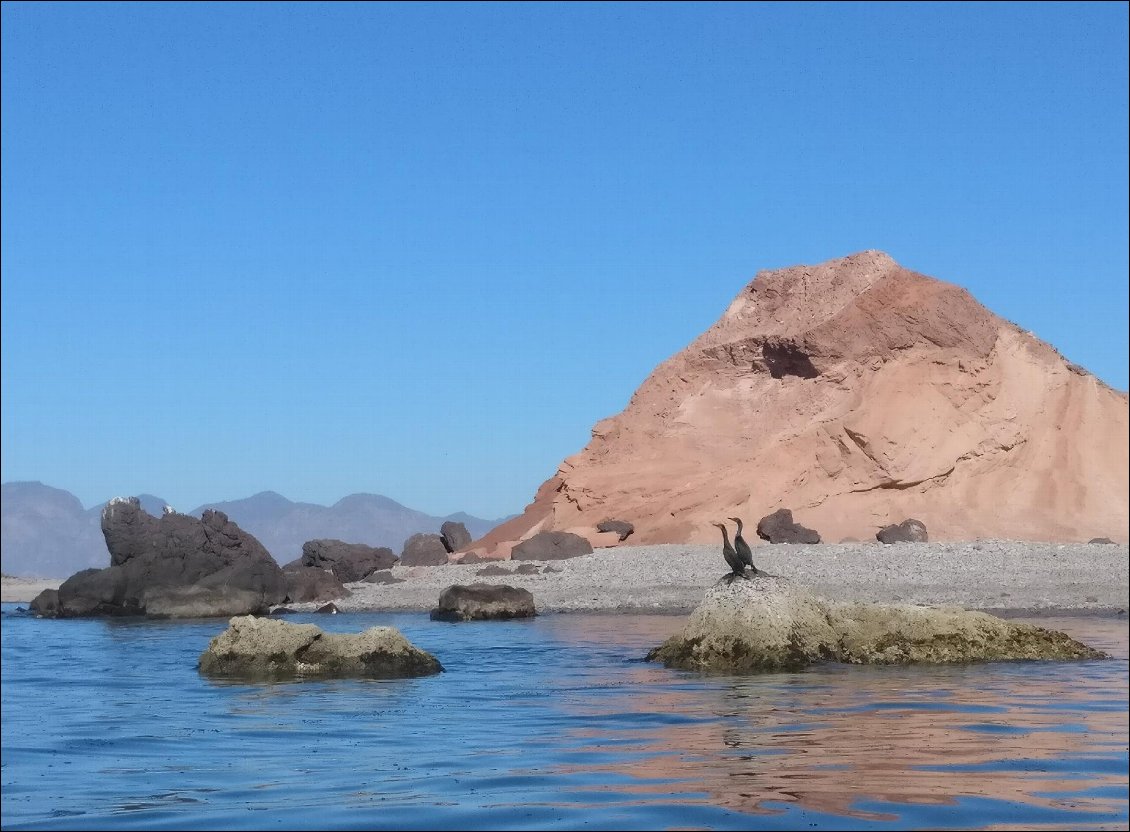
[(483, 602), (767, 623), (264, 649)]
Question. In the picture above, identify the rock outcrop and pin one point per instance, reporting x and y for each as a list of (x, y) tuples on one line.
[(424, 550), (779, 527), (908, 531), (174, 566), (483, 602), (264, 649), (348, 561), (767, 624), (852, 392)]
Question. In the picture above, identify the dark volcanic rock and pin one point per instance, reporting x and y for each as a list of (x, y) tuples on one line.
[(779, 527), (455, 536), (469, 558), (349, 561), (621, 527), (479, 602), (551, 546), (46, 603), (1100, 540), (527, 569), (494, 569), (424, 550), (384, 576), (174, 566), (328, 609), (908, 531), (308, 583)]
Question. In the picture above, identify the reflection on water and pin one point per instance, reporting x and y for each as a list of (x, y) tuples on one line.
[(552, 723)]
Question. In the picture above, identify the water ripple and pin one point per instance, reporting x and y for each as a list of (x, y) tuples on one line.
[(548, 724)]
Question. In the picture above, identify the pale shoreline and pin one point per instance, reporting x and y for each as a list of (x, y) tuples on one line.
[(1004, 577)]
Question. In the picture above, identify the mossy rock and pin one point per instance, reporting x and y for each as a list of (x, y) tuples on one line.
[(768, 624), (264, 649)]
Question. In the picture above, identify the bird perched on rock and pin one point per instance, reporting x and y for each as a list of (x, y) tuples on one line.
[(742, 547), (737, 566)]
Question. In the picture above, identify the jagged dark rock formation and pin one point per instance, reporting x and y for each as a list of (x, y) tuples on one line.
[(174, 566)]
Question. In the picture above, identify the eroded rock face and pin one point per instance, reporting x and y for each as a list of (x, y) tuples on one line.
[(779, 527), (853, 391), (454, 536), (551, 546), (482, 602), (174, 566), (264, 649), (348, 561), (908, 531), (768, 623), (424, 550)]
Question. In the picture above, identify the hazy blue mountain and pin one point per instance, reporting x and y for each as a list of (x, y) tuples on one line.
[(46, 531), (283, 526)]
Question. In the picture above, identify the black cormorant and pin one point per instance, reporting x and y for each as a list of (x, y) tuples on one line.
[(741, 547), (732, 560)]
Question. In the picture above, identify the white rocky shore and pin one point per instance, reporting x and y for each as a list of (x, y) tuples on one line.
[(985, 575)]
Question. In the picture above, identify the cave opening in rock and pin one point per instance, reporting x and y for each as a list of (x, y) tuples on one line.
[(787, 359)]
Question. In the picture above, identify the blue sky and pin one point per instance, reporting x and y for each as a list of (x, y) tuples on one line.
[(420, 249)]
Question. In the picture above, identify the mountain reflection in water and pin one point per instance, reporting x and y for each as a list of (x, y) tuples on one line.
[(550, 723)]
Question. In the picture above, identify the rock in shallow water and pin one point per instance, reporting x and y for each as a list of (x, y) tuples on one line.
[(263, 649), (768, 623), (482, 602)]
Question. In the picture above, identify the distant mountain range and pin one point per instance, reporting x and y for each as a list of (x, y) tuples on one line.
[(46, 532)]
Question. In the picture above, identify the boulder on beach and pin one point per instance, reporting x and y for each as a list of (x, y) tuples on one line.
[(384, 576), (310, 584), (424, 550), (483, 602), (779, 527), (551, 546), (348, 561), (620, 527), (1100, 540), (454, 536), (174, 566), (770, 624), (264, 649), (908, 531)]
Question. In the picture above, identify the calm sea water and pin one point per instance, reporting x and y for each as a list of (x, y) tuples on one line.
[(553, 723)]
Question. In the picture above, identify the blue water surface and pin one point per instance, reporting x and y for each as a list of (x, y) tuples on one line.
[(551, 723)]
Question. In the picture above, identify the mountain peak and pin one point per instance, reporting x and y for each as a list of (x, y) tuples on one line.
[(857, 393)]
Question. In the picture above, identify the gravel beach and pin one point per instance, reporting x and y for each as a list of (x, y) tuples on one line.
[(1001, 576), (990, 575)]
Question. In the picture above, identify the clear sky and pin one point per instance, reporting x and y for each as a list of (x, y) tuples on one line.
[(420, 249)]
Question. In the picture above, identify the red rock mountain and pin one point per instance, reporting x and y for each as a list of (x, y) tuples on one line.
[(856, 393)]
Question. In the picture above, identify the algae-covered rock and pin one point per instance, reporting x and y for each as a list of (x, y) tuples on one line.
[(257, 649), (768, 623)]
